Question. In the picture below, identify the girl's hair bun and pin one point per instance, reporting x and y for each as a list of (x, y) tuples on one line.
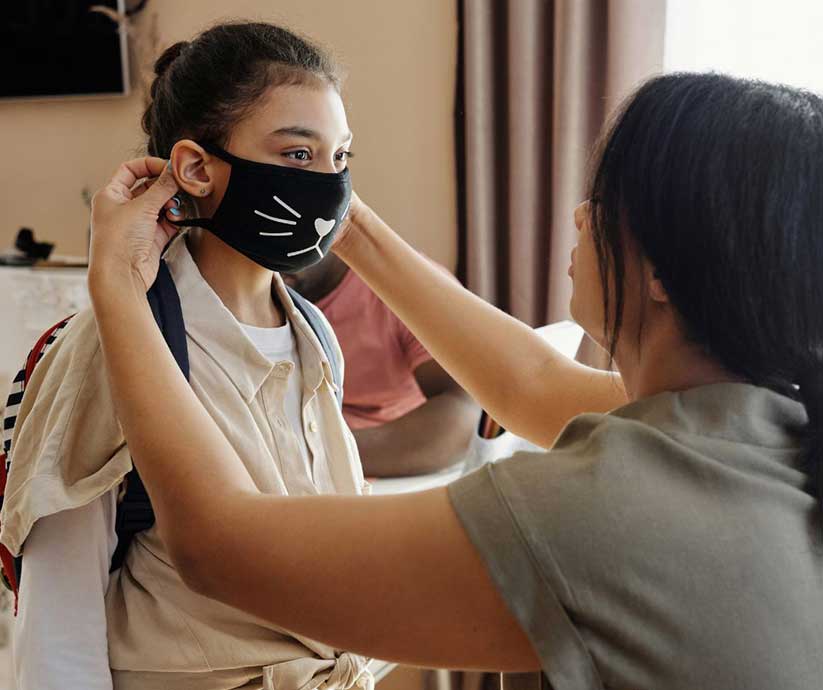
[(168, 56)]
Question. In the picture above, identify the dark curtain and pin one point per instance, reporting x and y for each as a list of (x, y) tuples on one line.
[(535, 81)]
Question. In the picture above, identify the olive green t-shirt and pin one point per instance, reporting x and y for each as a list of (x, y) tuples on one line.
[(671, 544)]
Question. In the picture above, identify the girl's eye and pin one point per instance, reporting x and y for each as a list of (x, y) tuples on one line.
[(343, 155), (301, 155)]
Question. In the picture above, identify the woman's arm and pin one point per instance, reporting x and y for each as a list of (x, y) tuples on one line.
[(514, 374), (392, 577), (59, 636)]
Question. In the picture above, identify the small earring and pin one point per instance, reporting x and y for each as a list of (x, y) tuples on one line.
[(203, 191)]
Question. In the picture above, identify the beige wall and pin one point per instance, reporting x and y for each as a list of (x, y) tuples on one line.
[(400, 58)]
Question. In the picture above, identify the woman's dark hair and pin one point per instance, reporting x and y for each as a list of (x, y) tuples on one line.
[(203, 87), (719, 183)]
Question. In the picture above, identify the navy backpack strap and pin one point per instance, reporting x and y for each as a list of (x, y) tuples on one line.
[(165, 305), (321, 330), (134, 511)]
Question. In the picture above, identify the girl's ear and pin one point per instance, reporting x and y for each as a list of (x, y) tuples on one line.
[(657, 292), (194, 168)]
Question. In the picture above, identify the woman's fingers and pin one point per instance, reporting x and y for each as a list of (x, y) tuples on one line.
[(134, 177), (136, 169), (169, 211), (354, 210), (150, 180), (141, 188), (129, 229), (160, 191), (168, 186)]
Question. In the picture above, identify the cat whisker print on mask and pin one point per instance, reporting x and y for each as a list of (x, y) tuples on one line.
[(323, 227), (287, 207), (279, 220), (276, 220)]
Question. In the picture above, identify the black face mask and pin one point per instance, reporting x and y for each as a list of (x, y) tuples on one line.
[(282, 218)]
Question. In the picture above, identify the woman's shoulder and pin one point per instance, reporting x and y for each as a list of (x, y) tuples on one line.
[(601, 439), (653, 453), (597, 460), (721, 420), (590, 448)]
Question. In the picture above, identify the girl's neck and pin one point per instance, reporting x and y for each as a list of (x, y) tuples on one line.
[(244, 287)]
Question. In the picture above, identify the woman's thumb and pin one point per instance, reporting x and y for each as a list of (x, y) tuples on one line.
[(161, 191)]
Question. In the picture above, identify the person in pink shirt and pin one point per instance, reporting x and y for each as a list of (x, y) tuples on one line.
[(407, 414)]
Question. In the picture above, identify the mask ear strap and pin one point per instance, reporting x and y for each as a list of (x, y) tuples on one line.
[(192, 223), (222, 154)]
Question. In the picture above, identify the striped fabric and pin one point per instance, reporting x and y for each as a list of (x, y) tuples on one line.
[(18, 387), (10, 569), (10, 416)]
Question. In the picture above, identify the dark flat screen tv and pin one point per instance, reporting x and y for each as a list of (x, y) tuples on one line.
[(61, 48)]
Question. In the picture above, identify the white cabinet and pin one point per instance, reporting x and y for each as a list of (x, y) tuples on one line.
[(32, 300)]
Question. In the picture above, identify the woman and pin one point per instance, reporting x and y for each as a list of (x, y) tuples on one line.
[(673, 543), (247, 90)]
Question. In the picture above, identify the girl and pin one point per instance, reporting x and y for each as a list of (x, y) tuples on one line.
[(673, 543), (236, 93)]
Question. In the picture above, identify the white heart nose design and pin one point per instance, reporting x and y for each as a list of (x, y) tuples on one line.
[(323, 227)]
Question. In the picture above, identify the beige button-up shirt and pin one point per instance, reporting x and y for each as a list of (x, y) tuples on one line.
[(68, 449)]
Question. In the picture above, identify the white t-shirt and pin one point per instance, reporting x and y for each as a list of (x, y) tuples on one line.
[(68, 556), (67, 560)]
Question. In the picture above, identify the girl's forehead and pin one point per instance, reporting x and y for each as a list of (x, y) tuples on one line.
[(297, 109)]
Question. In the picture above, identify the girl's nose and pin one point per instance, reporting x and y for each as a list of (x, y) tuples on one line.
[(326, 166)]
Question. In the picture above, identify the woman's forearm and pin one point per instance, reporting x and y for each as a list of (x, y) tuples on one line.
[(151, 394), (523, 382), (406, 584)]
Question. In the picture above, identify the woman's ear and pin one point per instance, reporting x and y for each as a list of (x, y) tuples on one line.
[(195, 170), (657, 292)]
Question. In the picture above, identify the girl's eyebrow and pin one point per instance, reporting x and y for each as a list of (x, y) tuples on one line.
[(304, 132)]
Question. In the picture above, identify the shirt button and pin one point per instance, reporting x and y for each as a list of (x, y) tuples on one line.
[(313, 427)]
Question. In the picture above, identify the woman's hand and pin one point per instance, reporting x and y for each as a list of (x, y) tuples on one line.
[(354, 217), (127, 231)]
